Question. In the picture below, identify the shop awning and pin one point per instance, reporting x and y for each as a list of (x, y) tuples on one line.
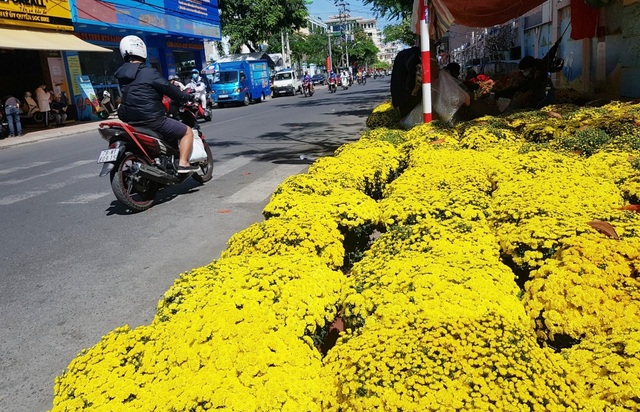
[(445, 13), (42, 40)]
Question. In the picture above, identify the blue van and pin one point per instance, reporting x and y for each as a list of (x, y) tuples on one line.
[(240, 82)]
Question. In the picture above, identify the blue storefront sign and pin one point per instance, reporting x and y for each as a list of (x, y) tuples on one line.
[(198, 18)]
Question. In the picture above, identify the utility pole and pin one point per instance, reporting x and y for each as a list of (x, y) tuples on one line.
[(330, 57), (343, 15)]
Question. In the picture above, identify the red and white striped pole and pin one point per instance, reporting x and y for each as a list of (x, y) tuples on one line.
[(426, 60)]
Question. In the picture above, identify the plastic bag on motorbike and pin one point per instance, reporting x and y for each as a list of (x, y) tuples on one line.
[(449, 96), (198, 154)]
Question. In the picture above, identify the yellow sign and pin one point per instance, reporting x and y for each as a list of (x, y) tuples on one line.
[(46, 14), (73, 61)]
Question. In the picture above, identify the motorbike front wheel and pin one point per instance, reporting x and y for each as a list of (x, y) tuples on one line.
[(134, 191), (207, 170)]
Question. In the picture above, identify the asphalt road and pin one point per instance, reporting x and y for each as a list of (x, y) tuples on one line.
[(75, 264)]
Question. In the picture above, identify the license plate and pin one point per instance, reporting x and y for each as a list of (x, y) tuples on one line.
[(223, 96), (109, 155), (282, 91)]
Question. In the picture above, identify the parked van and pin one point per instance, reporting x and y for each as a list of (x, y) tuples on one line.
[(240, 82)]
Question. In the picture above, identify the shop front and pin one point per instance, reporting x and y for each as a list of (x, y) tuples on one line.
[(34, 38), (173, 30)]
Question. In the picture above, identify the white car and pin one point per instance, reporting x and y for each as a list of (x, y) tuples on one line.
[(286, 82)]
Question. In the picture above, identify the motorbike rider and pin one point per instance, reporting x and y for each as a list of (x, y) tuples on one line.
[(196, 84), (344, 79), (333, 77), (142, 90), (175, 80), (307, 78)]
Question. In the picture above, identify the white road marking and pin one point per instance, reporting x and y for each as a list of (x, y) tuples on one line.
[(221, 169), (263, 187), (8, 200), (50, 172), (15, 169), (85, 198)]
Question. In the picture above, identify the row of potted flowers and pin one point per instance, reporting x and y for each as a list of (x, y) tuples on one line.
[(492, 265)]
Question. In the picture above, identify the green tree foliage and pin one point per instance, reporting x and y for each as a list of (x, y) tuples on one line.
[(399, 32), (396, 9), (362, 51), (253, 22)]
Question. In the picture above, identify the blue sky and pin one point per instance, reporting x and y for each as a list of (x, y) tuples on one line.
[(326, 8)]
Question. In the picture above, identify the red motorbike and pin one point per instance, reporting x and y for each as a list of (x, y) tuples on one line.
[(307, 88), (332, 85), (140, 163), (198, 111)]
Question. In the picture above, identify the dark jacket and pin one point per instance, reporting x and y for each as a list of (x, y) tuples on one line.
[(403, 78), (142, 89)]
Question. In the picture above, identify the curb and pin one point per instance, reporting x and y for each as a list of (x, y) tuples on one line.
[(46, 134)]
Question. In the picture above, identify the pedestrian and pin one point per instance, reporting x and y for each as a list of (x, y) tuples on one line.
[(44, 97), (59, 110), (12, 110)]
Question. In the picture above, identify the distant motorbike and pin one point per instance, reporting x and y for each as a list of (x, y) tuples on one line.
[(140, 163), (332, 85), (307, 88), (362, 80), (200, 113)]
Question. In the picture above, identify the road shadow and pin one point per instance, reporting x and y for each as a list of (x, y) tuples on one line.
[(164, 195)]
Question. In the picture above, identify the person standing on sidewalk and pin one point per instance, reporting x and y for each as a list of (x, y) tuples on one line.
[(12, 110), (44, 97)]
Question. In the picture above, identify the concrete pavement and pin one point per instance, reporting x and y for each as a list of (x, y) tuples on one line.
[(34, 134)]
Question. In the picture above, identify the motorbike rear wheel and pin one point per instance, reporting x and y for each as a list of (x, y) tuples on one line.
[(207, 170), (134, 191)]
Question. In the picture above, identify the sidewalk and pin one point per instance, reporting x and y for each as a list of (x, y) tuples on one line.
[(34, 134)]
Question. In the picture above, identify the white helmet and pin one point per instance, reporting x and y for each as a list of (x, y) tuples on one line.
[(133, 46)]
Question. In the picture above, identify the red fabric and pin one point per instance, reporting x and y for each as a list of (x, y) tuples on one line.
[(584, 20), (488, 13)]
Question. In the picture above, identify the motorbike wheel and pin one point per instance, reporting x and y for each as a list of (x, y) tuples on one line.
[(103, 114), (38, 117), (207, 170), (304, 89), (133, 191)]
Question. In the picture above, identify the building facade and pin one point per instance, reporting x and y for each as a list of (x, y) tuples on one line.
[(174, 31), (597, 44)]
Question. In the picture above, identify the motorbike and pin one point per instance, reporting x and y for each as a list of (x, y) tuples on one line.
[(199, 112), (140, 163), (307, 88), (362, 80), (345, 84), (332, 85), (106, 106)]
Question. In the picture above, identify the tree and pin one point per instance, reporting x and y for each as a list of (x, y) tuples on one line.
[(399, 32), (252, 23), (500, 39), (398, 9), (362, 51)]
